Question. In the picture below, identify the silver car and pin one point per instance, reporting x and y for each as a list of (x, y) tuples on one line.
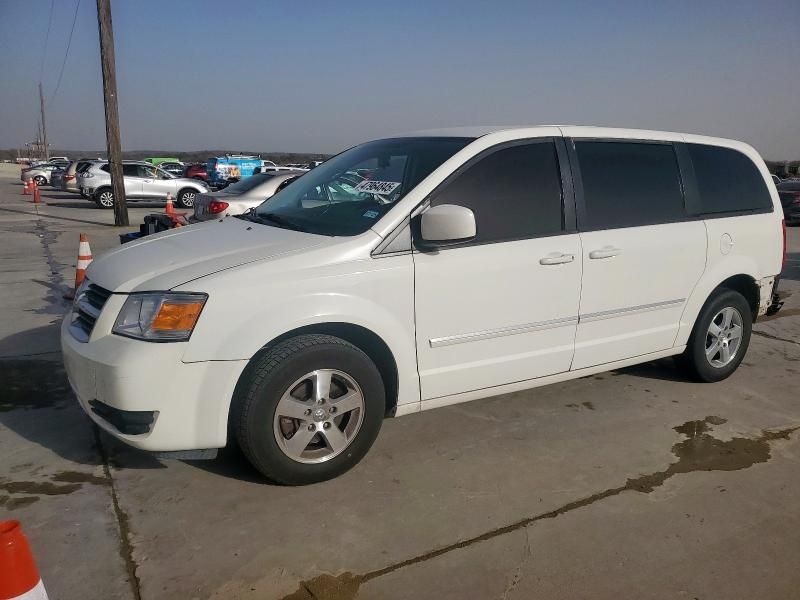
[(41, 174), (143, 181), (241, 196)]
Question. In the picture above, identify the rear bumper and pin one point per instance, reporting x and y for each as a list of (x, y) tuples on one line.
[(143, 394)]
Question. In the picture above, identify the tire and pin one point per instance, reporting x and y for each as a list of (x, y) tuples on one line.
[(262, 400), (186, 198), (104, 197), (40, 180), (706, 361)]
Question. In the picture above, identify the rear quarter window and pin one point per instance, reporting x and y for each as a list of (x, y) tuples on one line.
[(727, 181)]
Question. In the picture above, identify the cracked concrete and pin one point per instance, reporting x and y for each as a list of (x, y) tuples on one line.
[(635, 483)]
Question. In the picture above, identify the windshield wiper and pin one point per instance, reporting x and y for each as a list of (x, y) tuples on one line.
[(272, 219)]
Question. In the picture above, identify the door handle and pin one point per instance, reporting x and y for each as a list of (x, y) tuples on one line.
[(556, 259), (605, 252)]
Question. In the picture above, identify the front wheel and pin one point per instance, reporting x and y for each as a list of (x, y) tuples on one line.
[(40, 180), (308, 409), (186, 198), (720, 337), (105, 198)]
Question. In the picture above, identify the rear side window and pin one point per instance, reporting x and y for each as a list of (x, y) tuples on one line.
[(130, 170), (727, 180), (629, 184), (515, 193)]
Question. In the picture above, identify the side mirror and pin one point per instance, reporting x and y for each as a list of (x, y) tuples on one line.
[(446, 224)]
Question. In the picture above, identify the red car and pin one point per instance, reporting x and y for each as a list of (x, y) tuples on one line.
[(196, 171)]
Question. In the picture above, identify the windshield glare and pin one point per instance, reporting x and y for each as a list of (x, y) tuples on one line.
[(349, 193)]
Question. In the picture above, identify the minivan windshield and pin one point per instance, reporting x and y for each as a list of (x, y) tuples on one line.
[(349, 193)]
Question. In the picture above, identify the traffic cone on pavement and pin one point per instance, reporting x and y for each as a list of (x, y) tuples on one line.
[(84, 258), (36, 197), (19, 578), (170, 209), (26, 187)]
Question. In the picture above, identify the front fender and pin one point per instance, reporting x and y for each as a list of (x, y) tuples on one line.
[(245, 312)]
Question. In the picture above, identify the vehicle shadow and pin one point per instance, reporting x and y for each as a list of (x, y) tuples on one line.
[(38, 405), (791, 270), (665, 369)]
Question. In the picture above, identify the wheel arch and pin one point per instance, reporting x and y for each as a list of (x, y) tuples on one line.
[(741, 280), (364, 339)]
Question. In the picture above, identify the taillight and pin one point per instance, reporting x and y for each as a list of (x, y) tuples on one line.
[(69, 177), (217, 206), (796, 197), (783, 226)]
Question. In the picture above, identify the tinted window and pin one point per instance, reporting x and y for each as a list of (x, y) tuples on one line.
[(130, 170), (514, 192), (626, 184), (789, 185), (727, 180)]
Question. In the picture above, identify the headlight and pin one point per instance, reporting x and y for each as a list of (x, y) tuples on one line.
[(160, 316)]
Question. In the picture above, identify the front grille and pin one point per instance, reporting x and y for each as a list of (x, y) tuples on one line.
[(86, 311)]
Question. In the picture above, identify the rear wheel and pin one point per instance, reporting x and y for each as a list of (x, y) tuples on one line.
[(40, 180), (104, 198), (186, 198), (308, 409), (720, 337)]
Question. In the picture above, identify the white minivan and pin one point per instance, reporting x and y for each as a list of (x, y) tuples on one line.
[(420, 271)]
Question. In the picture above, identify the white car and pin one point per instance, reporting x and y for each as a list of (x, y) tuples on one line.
[(241, 196), (458, 265)]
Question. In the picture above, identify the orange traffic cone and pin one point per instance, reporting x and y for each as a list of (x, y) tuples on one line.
[(19, 577), (170, 209), (36, 197), (26, 187), (84, 258)]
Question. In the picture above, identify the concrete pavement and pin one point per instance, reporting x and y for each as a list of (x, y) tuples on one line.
[(633, 483)]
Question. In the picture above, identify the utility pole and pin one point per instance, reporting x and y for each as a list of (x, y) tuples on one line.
[(113, 144), (44, 124)]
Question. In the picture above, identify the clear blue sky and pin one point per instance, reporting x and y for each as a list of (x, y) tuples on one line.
[(319, 76)]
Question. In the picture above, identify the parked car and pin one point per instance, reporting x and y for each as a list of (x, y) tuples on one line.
[(69, 180), (231, 167), (174, 168), (472, 263), (160, 160), (241, 196), (789, 192), (40, 173), (59, 158), (56, 177), (196, 171), (142, 180)]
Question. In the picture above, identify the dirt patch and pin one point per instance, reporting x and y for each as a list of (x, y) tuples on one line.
[(78, 477), (328, 587), (30, 384), (698, 452)]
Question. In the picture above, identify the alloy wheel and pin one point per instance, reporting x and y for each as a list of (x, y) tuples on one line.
[(106, 199), (724, 337), (319, 416)]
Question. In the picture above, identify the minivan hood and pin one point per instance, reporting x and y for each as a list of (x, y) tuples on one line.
[(169, 259)]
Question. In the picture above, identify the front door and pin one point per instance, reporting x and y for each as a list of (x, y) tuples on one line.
[(503, 307), (641, 256), (156, 183)]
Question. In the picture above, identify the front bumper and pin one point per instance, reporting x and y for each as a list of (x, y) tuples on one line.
[(117, 380)]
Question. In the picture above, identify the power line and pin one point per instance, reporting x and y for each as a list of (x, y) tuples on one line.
[(66, 54), (46, 39)]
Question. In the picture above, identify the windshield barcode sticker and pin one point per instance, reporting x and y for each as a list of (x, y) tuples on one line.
[(377, 187)]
